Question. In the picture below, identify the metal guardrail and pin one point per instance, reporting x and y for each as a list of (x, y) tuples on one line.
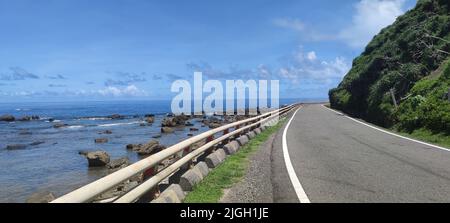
[(91, 191)]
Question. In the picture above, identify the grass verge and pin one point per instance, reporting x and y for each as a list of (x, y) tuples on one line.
[(231, 171), (427, 136), (421, 134)]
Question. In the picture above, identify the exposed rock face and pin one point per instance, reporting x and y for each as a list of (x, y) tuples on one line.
[(28, 118), (167, 130), (106, 132), (37, 143), (214, 125), (116, 116), (101, 140), (150, 119), (7, 118), (212, 122), (59, 125), (150, 148), (16, 147), (157, 136), (132, 146), (41, 197), (118, 163), (175, 121), (97, 158)]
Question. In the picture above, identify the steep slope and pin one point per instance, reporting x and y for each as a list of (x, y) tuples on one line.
[(408, 58)]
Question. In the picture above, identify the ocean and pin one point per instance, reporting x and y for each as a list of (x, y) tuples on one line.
[(50, 161)]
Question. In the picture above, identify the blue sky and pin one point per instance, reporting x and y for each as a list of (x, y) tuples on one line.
[(53, 50)]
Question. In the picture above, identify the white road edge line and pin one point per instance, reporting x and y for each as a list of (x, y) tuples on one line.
[(302, 197), (387, 132)]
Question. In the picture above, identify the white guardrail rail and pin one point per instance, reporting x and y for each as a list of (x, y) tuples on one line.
[(89, 192)]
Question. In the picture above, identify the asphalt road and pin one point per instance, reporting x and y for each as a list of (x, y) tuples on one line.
[(339, 160)]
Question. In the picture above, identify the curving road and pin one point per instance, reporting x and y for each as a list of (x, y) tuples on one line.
[(336, 159)]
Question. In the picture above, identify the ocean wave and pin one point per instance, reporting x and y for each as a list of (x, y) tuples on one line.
[(95, 118), (75, 126), (116, 124)]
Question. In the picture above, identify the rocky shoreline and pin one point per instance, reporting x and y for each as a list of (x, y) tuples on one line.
[(101, 159)]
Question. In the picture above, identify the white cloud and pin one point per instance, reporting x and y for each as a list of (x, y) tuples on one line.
[(370, 17), (308, 68), (289, 23), (131, 90), (311, 56)]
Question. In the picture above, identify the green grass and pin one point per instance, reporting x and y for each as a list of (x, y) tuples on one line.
[(422, 134), (427, 136), (231, 171)]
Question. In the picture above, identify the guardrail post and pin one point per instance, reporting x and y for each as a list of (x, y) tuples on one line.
[(154, 192), (226, 131)]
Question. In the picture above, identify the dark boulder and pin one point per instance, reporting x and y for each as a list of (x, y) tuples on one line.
[(150, 148), (37, 143), (106, 132), (167, 130), (118, 163), (7, 118), (157, 136), (116, 116), (60, 125), (101, 140), (97, 158), (28, 118), (133, 146), (16, 147), (150, 119)]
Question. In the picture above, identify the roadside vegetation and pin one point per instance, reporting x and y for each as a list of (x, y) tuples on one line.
[(401, 80), (230, 172)]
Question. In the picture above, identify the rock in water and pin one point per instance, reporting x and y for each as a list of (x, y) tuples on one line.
[(101, 140), (150, 119), (7, 118), (59, 125), (132, 146), (157, 136), (37, 143), (106, 132), (41, 197), (16, 147), (167, 130), (116, 116), (97, 158), (150, 148), (119, 163)]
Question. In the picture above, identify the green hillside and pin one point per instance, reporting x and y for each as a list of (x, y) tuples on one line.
[(410, 58)]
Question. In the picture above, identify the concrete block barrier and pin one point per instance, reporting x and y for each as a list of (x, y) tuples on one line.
[(231, 148), (202, 168), (189, 179), (216, 158), (251, 135), (258, 131), (243, 140), (173, 194)]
